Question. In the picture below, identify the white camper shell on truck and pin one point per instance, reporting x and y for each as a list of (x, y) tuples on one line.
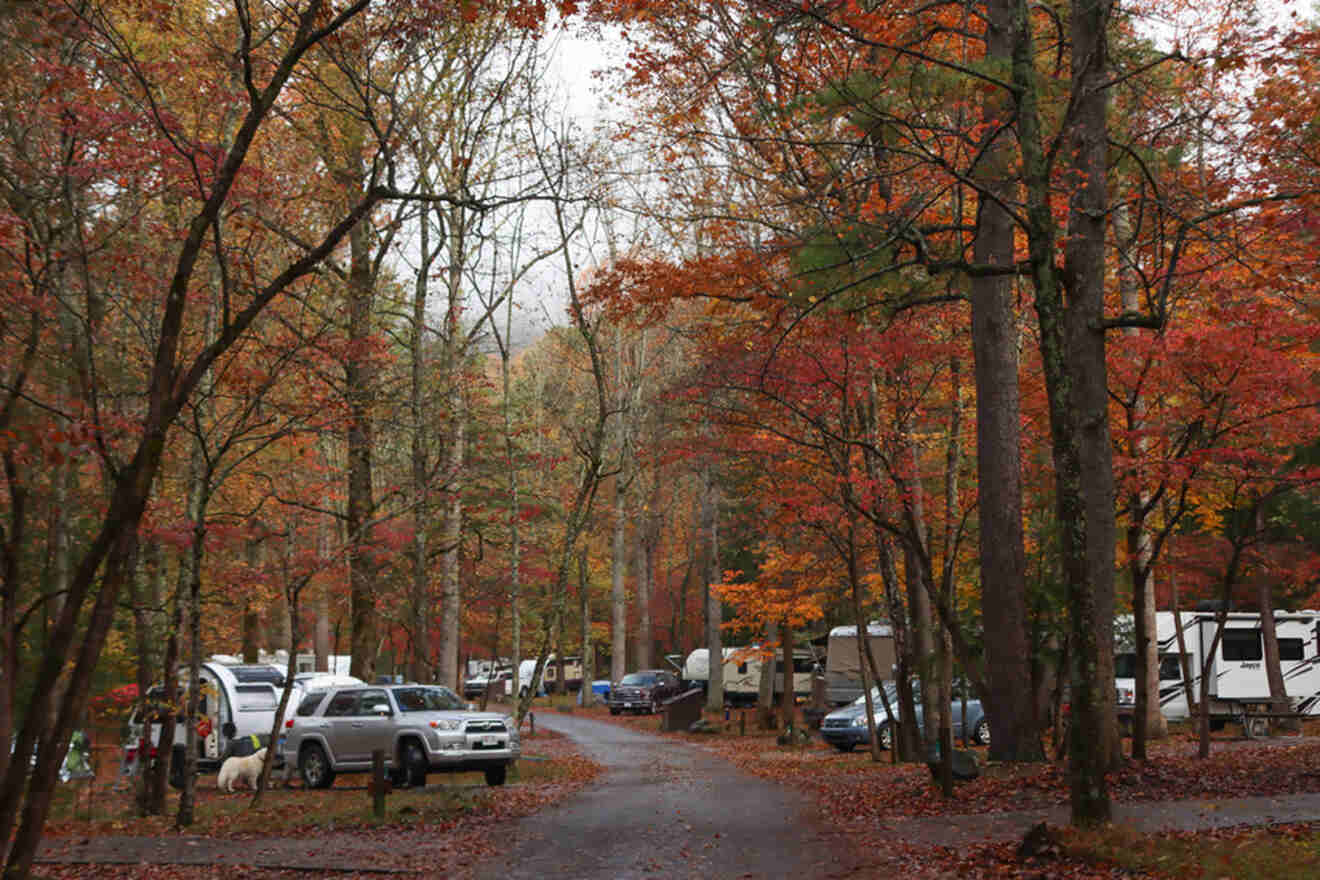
[(1238, 680), (742, 673)]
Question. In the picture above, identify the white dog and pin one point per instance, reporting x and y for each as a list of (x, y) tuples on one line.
[(247, 768)]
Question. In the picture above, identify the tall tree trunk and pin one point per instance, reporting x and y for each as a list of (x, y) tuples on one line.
[(645, 565), (618, 584), (765, 684), (587, 696), (618, 554), (147, 635), (711, 575), (451, 598), (515, 514), (188, 795), (156, 783), (1072, 355), (1269, 635), (919, 611), (321, 637), (1014, 732), (786, 706), (360, 381), (943, 639), (420, 593), (1148, 721)]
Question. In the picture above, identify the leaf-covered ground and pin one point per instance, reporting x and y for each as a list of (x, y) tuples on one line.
[(458, 823), (455, 823), (860, 796)]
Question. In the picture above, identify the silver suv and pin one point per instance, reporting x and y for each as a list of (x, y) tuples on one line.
[(421, 728)]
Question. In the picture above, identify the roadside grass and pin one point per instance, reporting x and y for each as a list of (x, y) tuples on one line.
[(1285, 852)]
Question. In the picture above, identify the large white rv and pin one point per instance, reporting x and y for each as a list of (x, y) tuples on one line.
[(1237, 672), (742, 672)]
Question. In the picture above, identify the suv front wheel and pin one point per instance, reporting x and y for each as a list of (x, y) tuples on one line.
[(315, 767)]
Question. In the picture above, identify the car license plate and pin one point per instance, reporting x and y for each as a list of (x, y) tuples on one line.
[(627, 705), (489, 741)]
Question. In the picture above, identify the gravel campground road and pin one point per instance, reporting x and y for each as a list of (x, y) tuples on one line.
[(663, 809)]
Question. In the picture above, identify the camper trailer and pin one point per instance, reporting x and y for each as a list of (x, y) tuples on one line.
[(549, 675), (843, 660), (742, 673), (1237, 674), (235, 701)]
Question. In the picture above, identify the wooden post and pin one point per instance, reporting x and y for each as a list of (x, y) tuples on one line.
[(378, 783)]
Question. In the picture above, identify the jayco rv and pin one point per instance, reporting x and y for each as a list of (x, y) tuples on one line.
[(1237, 672)]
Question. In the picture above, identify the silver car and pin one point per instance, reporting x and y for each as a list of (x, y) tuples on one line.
[(421, 728)]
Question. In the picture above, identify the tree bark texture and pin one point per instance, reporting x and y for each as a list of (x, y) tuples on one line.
[(1014, 734), (711, 575), (359, 382), (1072, 355)]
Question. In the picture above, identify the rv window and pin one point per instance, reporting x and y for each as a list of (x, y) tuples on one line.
[(1242, 644), (255, 697), (742, 668), (1170, 668), (1290, 649)]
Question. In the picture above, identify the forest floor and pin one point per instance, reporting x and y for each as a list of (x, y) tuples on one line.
[(1262, 790), (891, 815)]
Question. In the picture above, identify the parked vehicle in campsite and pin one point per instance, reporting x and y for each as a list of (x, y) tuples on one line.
[(236, 701), (742, 673), (846, 728), (549, 675), (643, 691), (844, 658), (421, 728), (478, 685), (1238, 679)]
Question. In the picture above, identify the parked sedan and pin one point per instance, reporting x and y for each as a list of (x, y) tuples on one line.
[(846, 728), (421, 729), (642, 691)]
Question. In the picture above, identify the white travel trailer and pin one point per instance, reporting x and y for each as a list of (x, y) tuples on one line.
[(549, 675), (742, 672), (235, 701), (1237, 675)]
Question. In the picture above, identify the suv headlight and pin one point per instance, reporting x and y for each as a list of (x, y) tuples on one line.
[(859, 721), (446, 724)]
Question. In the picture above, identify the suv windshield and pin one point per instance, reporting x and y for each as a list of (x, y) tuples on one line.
[(638, 679), (427, 699)]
